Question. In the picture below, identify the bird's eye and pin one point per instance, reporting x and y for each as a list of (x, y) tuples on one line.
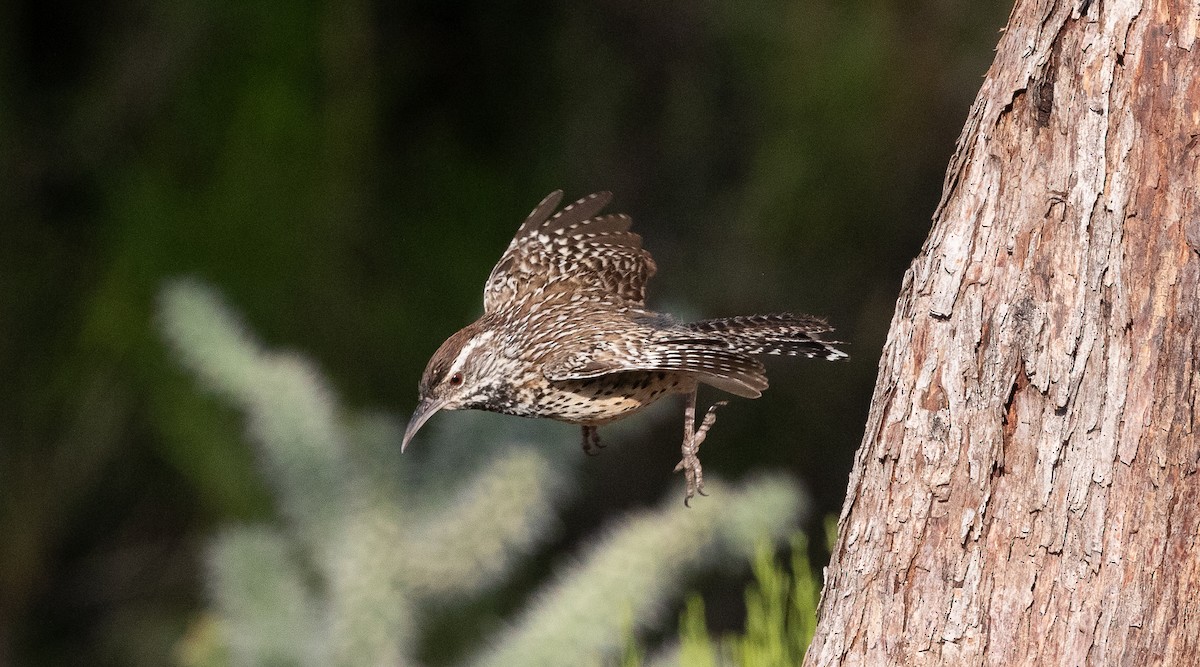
[(456, 379)]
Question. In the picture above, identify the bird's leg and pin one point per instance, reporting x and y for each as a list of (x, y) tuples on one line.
[(692, 438), (591, 440)]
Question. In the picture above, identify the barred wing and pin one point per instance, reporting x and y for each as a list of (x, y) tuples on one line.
[(573, 250), (711, 361)]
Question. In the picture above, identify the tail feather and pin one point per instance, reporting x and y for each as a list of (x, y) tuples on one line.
[(780, 334)]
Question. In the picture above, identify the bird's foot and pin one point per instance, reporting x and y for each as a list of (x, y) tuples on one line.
[(693, 473), (693, 476), (591, 441)]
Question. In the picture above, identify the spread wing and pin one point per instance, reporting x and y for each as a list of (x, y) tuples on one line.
[(710, 361), (573, 250)]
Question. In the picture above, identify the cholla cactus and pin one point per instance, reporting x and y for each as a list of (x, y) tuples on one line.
[(644, 561), (363, 546)]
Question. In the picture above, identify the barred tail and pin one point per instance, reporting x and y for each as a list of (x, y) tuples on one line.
[(781, 333)]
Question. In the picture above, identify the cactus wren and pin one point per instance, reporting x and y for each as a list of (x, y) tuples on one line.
[(565, 334)]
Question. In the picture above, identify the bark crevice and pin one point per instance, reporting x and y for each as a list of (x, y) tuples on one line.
[(1026, 485)]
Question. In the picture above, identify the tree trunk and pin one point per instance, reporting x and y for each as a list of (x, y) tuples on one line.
[(1026, 490)]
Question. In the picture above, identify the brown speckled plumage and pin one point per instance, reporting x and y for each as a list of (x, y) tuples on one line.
[(565, 334)]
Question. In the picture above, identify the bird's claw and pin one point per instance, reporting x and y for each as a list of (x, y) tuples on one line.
[(693, 473)]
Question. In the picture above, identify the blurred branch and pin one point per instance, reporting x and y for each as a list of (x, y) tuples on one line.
[(641, 565)]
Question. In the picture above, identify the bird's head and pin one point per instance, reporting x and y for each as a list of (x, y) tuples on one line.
[(458, 376)]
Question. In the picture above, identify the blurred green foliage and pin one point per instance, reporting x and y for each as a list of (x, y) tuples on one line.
[(781, 614), (347, 172), (364, 545)]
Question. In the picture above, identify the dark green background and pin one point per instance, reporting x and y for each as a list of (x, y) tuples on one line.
[(346, 173)]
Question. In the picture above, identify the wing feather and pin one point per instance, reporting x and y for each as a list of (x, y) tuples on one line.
[(711, 364), (573, 250)]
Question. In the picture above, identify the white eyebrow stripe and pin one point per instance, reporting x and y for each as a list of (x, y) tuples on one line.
[(461, 359)]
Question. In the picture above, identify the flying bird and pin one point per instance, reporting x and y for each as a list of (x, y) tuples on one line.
[(565, 334)]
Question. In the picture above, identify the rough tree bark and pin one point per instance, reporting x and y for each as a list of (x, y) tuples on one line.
[(1026, 490)]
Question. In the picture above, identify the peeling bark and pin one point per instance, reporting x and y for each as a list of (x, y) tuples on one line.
[(1026, 490)]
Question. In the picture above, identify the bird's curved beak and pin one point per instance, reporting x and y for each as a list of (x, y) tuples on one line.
[(424, 411)]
